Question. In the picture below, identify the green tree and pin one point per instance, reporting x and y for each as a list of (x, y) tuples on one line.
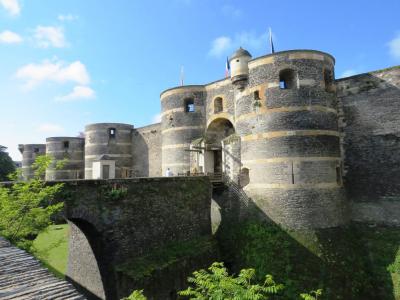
[(136, 295), (26, 207), (216, 283), (6, 164), (313, 295)]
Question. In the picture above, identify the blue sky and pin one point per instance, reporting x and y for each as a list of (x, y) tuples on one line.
[(68, 63)]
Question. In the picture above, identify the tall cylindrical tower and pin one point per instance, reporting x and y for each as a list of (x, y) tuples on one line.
[(70, 149), (111, 142), (287, 120), (29, 153), (183, 117)]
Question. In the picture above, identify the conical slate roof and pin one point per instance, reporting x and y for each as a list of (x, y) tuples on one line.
[(239, 53)]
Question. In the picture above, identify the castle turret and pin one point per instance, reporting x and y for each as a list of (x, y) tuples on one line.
[(239, 67), (287, 120), (70, 150), (29, 153), (108, 151), (183, 116)]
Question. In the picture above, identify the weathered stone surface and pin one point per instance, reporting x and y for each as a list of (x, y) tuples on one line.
[(146, 152), (116, 221), (371, 141), (69, 150)]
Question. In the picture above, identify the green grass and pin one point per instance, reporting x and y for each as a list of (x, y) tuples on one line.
[(51, 248)]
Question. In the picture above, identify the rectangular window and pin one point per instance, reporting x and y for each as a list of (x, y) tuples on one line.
[(36, 150), (257, 95), (66, 144)]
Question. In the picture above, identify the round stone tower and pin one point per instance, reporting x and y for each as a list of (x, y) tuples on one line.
[(108, 150), (287, 119), (70, 149), (29, 153), (183, 118)]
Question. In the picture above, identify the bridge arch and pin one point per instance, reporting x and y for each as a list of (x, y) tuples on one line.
[(88, 268)]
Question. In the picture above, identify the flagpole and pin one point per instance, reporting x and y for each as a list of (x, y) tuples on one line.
[(227, 68), (182, 76), (271, 42)]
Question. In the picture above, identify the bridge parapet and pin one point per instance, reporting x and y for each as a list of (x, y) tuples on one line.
[(116, 221)]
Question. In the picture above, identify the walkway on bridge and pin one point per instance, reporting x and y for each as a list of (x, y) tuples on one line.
[(23, 277)]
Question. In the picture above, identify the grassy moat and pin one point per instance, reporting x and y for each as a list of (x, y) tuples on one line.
[(51, 248), (376, 265)]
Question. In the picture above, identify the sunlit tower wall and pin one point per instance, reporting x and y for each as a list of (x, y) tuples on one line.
[(183, 120), (110, 140), (69, 151), (286, 115), (29, 153)]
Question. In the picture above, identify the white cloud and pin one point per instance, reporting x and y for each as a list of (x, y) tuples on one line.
[(9, 37), (78, 93), (348, 73), (156, 118), (249, 40), (50, 128), (220, 45), (35, 74), (67, 18), (394, 47), (12, 6), (49, 36)]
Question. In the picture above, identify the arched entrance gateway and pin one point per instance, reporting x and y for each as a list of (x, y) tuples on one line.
[(218, 152)]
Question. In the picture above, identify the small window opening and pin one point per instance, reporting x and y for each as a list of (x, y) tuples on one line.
[(292, 174), (218, 105), (338, 175), (328, 80), (112, 132), (36, 150), (237, 60), (257, 95), (66, 144), (287, 79), (189, 105)]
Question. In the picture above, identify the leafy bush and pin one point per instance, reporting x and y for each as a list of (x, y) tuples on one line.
[(136, 295), (216, 284), (26, 207)]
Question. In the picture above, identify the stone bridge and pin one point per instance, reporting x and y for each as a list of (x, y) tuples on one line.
[(121, 231)]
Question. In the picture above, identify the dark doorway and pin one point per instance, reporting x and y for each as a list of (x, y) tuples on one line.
[(217, 161), (106, 171)]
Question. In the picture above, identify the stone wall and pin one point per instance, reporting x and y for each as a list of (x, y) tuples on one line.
[(116, 222), (370, 105), (146, 152)]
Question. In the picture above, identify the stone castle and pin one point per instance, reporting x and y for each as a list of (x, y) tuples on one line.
[(310, 150)]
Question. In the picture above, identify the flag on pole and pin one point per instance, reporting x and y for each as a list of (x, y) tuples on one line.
[(227, 68), (271, 42), (182, 76)]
